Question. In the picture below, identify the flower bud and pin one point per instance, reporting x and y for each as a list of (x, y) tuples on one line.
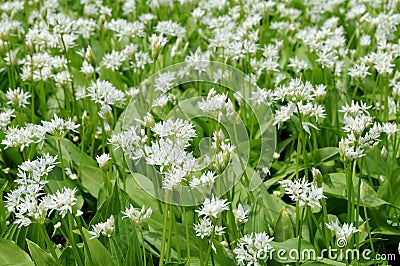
[(104, 161), (149, 120), (317, 176), (384, 153), (106, 114)]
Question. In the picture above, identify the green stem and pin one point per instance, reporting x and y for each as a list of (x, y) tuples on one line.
[(120, 255), (187, 236), (106, 183), (171, 214), (87, 250), (201, 253), (368, 229), (300, 236), (349, 183), (164, 234), (82, 149), (178, 246), (48, 241), (71, 239), (209, 251), (61, 161), (144, 249)]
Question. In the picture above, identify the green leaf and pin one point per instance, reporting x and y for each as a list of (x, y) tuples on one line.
[(10, 253), (283, 227), (99, 254), (324, 262), (336, 187), (324, 154), (286, 250), (134, 254), (91, 178), (39, 256), (91, 175)]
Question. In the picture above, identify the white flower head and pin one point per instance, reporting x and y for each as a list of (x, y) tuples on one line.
[(213, 207), (103, 161), (240, 214), (106, 229), (253, 248), (17, 97), (137, 217)]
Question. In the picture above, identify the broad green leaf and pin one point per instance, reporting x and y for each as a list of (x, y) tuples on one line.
[(99, 254), (283, 227), (325, 154), (91, 175), (134, 254), (336, 187), (40, 256), (10, 253), (287, 250)]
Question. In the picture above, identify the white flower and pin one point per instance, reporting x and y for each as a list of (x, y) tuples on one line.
[(261, 96), (204, 228), (170, 28), (207, 178), (58, 126), (297, 64), (106, 229), (23, 137), (103, 161), (213, 207), (137, 217), (359, 71), (105, 93), (62, 201), (5, 117), (17, 97), (216, 105), (253, 248), (303, 192), (240, 214), (130, 141), (157, 42), (113, 60), (164, 81), (87, 69), (180, 131), (345, 231)]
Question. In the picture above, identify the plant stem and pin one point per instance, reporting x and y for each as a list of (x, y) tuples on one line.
[(68, 226), (144, 249), (171, 214), (187, 236), (300, 236), (48, 242), (61, 160), (164, 234), (87, 250)]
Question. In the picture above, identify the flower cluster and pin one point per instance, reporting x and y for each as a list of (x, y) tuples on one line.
[(303, 192), (137, 217), (301, 99), (254, 248), (28, 201), (210, 210), (345, 231), (363, 134), (106, 229)]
